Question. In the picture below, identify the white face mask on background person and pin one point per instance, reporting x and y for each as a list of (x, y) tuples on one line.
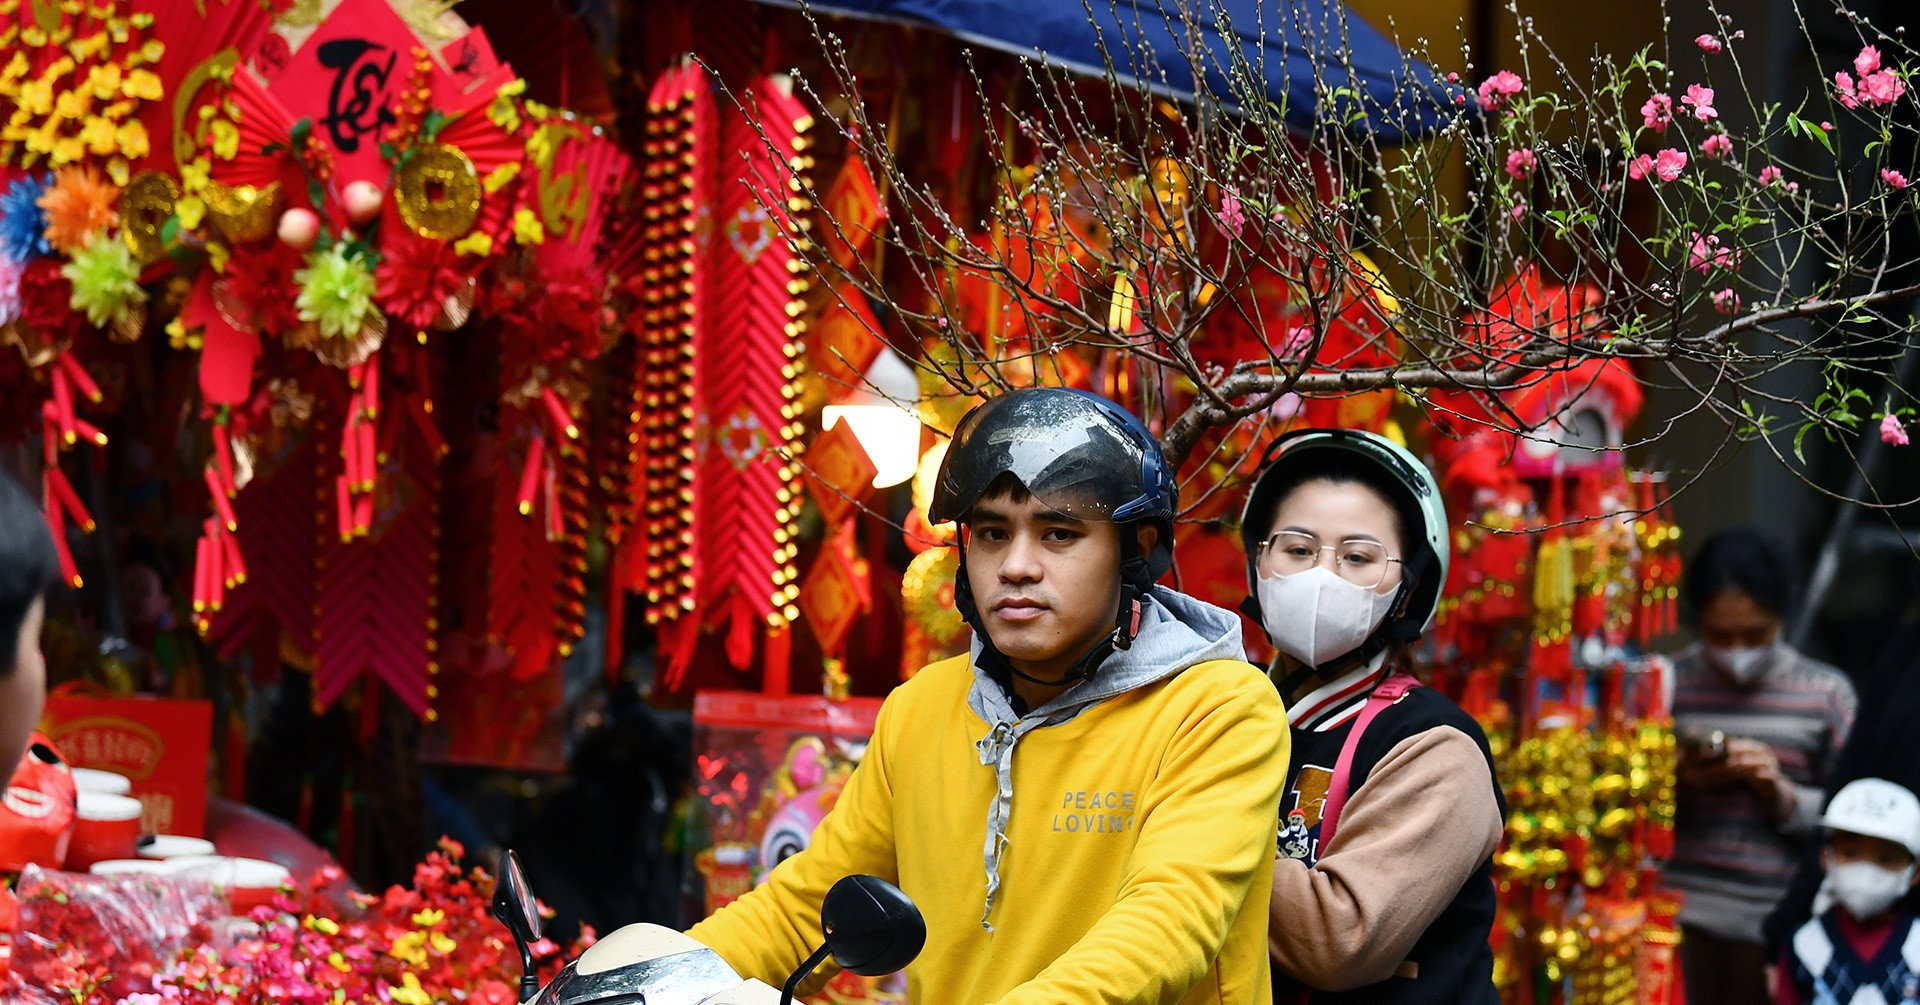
[(1317, 617), (1866, 890), (1743, 665)]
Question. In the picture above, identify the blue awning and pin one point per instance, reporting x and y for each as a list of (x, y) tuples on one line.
[(1324, 64)]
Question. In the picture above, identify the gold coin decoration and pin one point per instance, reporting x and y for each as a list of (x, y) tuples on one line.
[(145, 207), (242, 212), (438, 192)]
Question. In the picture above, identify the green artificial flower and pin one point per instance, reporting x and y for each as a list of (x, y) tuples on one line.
[(336, 292), (106, 280)]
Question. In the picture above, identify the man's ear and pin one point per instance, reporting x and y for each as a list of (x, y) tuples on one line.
[(1147, 536)]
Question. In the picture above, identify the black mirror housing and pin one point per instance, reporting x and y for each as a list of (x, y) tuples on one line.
[(513, 901), (872, 928)]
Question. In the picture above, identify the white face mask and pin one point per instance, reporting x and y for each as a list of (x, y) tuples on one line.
[(1867, 890), (1316, 617), (1742, 665)]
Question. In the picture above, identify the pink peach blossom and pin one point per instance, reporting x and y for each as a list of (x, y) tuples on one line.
[(1519, 210), (1882, 88), (1719, 146), (1700, 99), (1669, 164), (1657, 112), (1894, 179), (1708, 43), (1707, 254), (1769, 175), (1640, 167), (1231, 216), (1844, 90), (1499, 87), (1520, 163), (1893, 432), (1726, 301), (1867, 62)]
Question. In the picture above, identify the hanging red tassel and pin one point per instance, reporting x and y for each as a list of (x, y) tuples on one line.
[(370, 389), (530, 474), (557, 410), (421, 410), (69, 500), (221, 504), (344, 494), (223, 458), (89, 432), (202, 567), (369, 457), (63, 405), (80, 377)]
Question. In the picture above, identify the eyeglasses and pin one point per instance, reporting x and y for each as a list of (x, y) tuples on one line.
[(1357, 560)]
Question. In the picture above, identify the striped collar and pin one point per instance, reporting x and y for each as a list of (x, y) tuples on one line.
[(1335, 702)]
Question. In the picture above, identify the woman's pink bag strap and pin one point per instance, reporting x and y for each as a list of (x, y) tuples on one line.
[(1394, 688)]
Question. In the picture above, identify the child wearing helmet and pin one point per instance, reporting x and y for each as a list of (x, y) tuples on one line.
[(1861, 947), (1083, 808), (1382, 891)]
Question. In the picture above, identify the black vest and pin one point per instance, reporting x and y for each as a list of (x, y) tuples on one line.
[(1455, 963), (1829, 972)]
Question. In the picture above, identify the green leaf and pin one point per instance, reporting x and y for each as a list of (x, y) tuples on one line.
[(431, 124), (300, 132)]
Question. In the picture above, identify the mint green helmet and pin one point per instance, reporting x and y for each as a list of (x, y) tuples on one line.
[(1387, 466)]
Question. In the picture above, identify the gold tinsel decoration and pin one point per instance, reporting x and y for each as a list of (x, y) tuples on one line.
[(927, 589)]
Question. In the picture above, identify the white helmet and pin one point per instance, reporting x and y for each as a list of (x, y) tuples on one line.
[(1877, 808)]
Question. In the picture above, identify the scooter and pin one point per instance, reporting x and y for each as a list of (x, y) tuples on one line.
[(872, 929)]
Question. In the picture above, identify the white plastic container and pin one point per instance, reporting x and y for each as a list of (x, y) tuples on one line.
[(169, 846), (95, 780)]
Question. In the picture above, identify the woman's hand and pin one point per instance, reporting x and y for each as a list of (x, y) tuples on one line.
[(1754, 763)]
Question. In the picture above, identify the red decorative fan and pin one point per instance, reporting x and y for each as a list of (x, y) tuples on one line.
[(199, 36), (265, 152)]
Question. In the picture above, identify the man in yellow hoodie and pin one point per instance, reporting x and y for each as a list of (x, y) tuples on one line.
[(1085, 809)]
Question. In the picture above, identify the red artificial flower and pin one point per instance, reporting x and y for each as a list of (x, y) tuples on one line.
[(417, 277), (46, 300), (257, 293)]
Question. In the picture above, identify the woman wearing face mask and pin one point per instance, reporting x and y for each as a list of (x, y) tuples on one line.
[(1760, 726), (1382, 891)]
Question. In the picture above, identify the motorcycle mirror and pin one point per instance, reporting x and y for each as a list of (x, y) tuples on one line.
[(872, 928), (514, 905)]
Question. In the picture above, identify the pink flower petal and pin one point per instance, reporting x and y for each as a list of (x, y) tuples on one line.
[(1708, 43), (1893, 432)]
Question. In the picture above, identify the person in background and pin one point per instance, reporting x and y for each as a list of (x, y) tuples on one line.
[(28, 567), (1760, 726), (1883, 744), (1861, 945), (1382, 890)]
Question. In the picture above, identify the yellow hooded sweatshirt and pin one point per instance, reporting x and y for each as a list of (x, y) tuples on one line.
[(1138, 825)]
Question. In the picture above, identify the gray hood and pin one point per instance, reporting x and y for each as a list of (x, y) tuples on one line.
[(1176, 632)]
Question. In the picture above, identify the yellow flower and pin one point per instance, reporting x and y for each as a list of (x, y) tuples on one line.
[(84, 49), (325, 926), (119, 170), (410, 992), (193, 174), (72, 105), (105, 80), (441, 943), (477, 243), (190, 209), (98, 134), (68, 149), (339, 962), (119, 109), (410, 948), (526, 227), (16, 68), (36, 97), (142, 84), (428, 919), (225, 139), (217, 255), (498, 178), (152, 51), (133, 140)]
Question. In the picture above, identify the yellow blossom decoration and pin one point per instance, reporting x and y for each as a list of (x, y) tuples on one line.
[(526, 227), (477, 243), (79, 106), (410, 992)]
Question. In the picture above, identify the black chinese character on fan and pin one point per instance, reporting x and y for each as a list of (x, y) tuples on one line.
[(357, 105)]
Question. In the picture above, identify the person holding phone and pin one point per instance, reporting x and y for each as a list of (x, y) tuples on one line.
[(1760, 725)]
